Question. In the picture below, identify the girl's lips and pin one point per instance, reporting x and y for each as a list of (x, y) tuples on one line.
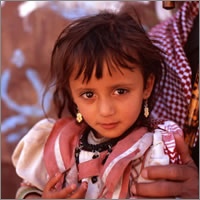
[(109, 125)]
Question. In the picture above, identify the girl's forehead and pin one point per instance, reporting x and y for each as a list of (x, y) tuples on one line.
[(102, 69), (109, 74)]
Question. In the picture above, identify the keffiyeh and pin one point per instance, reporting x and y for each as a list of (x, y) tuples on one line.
[(171, 36)]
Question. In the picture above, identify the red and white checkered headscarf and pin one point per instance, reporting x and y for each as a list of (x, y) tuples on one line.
[(172, 35)]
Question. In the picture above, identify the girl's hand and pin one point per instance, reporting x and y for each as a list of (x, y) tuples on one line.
[(171, 180), (70, 192)]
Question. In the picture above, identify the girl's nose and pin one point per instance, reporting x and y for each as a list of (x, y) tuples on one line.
[(106, 107)]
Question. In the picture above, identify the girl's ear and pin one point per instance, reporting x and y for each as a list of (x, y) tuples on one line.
[(149, 86)]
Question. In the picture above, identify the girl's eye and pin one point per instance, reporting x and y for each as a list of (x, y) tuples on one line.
[(120, 91), (87, 95)]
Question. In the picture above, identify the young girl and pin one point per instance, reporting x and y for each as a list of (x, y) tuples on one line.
[(104, 69)]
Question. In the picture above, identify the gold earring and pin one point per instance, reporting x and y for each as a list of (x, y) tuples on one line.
[(146, 108), (79, 117)]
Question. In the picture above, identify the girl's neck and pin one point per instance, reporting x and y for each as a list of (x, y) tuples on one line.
[(102, 142), (94, 139)]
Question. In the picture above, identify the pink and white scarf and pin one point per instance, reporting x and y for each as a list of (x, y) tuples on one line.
[(115, 173)]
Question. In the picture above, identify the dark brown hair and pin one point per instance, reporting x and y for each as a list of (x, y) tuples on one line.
[(86, 43)]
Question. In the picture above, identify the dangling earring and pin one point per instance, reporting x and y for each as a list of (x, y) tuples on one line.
[(79, 117), (146, 108)]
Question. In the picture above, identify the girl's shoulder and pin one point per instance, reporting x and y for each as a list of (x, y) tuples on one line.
[(40, 130), (36, 138)]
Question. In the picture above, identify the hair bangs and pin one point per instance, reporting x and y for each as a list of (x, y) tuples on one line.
[(92, 63)]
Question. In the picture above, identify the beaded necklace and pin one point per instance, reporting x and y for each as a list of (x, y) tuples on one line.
[(97, 148)]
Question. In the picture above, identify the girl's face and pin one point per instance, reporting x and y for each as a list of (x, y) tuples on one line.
[(112, 104)]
